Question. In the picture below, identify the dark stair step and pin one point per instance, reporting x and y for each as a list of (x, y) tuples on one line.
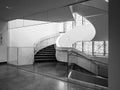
[(48, 49), (47, 53), (44, 54), (47, 59), (43, 61)]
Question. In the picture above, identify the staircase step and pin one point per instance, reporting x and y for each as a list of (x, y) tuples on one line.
[(44, 54), (47, 53), (47, 49), (46, 59)]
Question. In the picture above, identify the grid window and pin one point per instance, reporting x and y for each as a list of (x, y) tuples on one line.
[(87, 47), (79, 46), (98, 48), (68, 26)]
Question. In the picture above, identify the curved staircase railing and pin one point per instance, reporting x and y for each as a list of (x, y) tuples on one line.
[(45, 41)]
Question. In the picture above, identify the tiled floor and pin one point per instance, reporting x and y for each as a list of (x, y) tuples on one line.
[(13, 78)]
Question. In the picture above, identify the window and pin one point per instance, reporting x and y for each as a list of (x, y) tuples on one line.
[(61, 28), (79, 46), (87, 48), (68, 26), (99, 48)]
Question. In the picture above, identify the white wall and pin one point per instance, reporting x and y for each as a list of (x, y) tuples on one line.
[(23, 36), (3, 46), (27, 36)]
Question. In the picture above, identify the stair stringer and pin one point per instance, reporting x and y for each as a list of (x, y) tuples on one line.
[(45, 42)]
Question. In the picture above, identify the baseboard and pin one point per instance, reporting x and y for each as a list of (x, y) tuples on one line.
[(3, 63), (37, 61)]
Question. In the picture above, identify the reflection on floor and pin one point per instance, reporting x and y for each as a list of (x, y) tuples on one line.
[(60, 70), (14, 78), (54, 69)]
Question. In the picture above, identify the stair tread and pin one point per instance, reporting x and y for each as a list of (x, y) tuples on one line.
[(47, 53)]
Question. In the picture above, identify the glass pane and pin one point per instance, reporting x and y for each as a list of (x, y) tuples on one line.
[(88, 47), (61, 27), (98, 48), (68, 26), (78, 20), (79, 46)]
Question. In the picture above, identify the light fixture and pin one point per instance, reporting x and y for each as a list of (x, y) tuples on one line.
[(107, 0), (7, 7)]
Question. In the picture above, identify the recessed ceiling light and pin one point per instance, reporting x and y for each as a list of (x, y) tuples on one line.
[(107, 0), (8, 7)]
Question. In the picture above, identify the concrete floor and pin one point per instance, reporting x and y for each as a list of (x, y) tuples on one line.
[(53, 69), (13, 78)]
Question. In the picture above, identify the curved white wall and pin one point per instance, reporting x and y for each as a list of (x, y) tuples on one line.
[(84, 32), (22, 38), (27, 36)]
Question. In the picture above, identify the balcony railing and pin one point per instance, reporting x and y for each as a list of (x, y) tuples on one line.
[(93, 48)]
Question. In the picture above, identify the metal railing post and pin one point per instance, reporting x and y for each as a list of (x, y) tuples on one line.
[(104, 48)]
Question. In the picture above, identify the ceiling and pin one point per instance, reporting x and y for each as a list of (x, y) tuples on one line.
[(53, 10), (12, 9)]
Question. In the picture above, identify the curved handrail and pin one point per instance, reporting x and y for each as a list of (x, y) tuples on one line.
[(71, 51), (44, 39), (88, 58)]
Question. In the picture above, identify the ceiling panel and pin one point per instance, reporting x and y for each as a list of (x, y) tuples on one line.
[(101, 25), (55, 15), (100, 4), (87, 10), (15, 9)]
